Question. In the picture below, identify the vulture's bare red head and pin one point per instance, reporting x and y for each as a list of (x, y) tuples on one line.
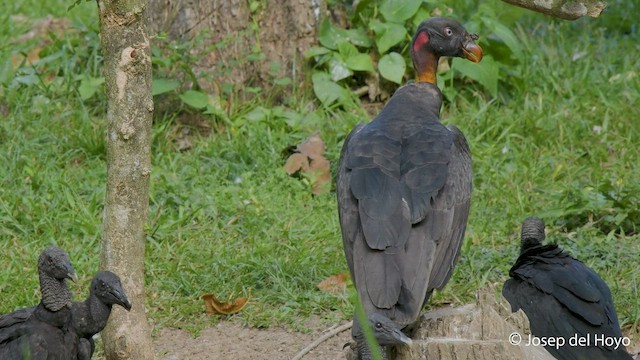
[(438, 37)]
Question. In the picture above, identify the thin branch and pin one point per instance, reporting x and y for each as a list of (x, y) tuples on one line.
[(322, 339)]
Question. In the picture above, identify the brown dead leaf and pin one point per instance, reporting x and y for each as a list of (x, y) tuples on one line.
[(215, 306), (313, 147), (295, 163), (334, 284), (311, 161)]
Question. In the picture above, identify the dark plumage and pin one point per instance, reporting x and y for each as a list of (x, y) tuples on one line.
[(43, 332), (562, 297), (90, 316), (404, 185), (385, 331)]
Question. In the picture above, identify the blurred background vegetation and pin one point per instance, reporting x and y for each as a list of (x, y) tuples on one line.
[(551, 116)]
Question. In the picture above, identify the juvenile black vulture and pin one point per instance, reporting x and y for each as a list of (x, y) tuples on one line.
[(562, 298), (385, 331), (90, 316), (404, 186), (43, 332)]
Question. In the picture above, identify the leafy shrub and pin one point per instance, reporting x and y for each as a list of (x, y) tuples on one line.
[(377, 40)]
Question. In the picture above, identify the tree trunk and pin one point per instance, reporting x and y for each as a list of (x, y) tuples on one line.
[(564, 9), (256, 41), (127, 72)]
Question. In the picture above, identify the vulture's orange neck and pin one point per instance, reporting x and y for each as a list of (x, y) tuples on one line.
[(424, 61)]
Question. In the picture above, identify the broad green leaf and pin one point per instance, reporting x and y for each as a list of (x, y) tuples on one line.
[(387, 35), (486, 72), (360, 62), (161, 86), (505, 34), (316, 51), (359, 37), (338, 68), (258, 114), (89, 85), (399, 10), (330, 36), (392, 67), (326, 90), (194, 98), (353, 59), (347, 50), (421, 15)]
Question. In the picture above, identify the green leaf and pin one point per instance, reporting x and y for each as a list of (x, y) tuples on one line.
[(326, 90), (331, 36), (486, 72), (347, 50), (392, 67), (89, 85), (353, 59), (316, 51), (360, 62), (359, 37), (194, 98), (387, 35), (338, 68), (161, 86), (506, 35), (399, 10)]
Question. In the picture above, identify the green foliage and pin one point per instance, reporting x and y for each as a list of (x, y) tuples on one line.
[(382, 30), (225, 218)]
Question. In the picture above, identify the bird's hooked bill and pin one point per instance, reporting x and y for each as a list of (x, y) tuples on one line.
[(403, 338), (71, 275), (471, 50)]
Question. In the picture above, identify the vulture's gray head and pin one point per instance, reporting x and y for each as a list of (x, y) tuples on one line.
[(386, 331), (532, 233), (107, 287), (55, 263)]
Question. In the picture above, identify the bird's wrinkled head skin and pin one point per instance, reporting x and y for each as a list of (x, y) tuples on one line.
[(107, 287), (55, 263), (446, 37), (438, 37), (532, 233)]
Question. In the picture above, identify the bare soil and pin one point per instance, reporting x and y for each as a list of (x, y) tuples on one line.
[(228, 340)]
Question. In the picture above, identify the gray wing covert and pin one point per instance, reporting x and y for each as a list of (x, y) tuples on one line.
[(452, 208)]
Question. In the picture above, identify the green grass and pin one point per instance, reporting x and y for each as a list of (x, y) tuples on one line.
[(225, 218)]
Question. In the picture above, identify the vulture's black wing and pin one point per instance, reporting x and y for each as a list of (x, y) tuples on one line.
[(563, 297), (404, 186)]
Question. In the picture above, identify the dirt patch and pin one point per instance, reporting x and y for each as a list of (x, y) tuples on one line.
[(232, 341)]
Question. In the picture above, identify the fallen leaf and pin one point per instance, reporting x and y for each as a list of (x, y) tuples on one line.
[(334, 284), (310, 160), (313, 147), (215, 306), (295, 163)]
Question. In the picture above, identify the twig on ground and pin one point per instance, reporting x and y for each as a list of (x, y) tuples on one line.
[(321, 339)]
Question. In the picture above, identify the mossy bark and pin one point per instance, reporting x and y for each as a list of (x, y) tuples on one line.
[(127, 71), (564, 9)]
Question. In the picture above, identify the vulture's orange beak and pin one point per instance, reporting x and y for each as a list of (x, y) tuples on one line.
[(471, 50)]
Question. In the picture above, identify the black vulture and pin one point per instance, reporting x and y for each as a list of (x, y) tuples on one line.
[(43, 332), (385, 331), (404, 186), (90, 316), (563, 299)]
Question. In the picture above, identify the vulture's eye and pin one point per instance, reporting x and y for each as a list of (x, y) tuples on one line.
[(378, 325), (448, 31)]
